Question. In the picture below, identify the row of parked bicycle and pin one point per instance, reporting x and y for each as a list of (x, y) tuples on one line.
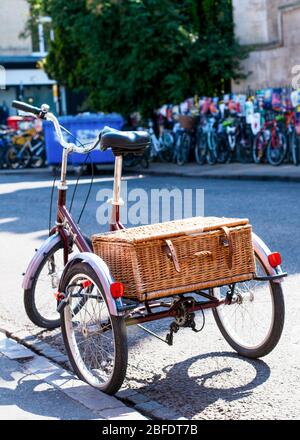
[(212, 139), (21, 148), (205, 138)]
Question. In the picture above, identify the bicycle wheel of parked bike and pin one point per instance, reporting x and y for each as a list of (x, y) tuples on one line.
[(165, 153), (244, 148), (96, 341), (294, 148), (212, 149), (223, 149), (277, 149), (258, 149), (15, 158), (253, 322), (183, 149), (201, 148), (39, 301)]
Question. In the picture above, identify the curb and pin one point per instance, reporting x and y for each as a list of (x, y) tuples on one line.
[(251, 177), (136, 402), (231, 175), (48, 370)]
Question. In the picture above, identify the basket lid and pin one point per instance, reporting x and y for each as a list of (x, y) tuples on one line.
[(170, 229)]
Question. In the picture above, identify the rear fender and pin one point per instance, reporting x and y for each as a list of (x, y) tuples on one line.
[(262, 250), (102, 272)]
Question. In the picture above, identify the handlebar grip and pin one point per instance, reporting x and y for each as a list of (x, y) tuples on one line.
[(27, 108)]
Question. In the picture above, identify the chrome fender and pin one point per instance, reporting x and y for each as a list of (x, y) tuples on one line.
[(262, 250), (102, 272), (37, 258)]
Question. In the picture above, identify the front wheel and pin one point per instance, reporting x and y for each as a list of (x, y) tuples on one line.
[(96, 341), (39, 300), (294, 148), (252, 324), (277, 149), (201, 148), (183, 149)]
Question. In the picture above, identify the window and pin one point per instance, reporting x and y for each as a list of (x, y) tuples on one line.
[(42, 34)]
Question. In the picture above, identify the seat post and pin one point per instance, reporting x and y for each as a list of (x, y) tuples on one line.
[(116, 200)]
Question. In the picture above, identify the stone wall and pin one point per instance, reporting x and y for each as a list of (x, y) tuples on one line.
[(13, 17), (273, 27)]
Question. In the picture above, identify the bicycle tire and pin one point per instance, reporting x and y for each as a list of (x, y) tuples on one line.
[(80, 364), (274, 332), (11, 157), (244, 149), (294, 148), (276, 156), (30, 301), (201, 149), (183, 149), (258, 148), (223, 149)]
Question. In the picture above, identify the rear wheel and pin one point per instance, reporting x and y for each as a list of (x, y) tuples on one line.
[(244, 148), (212, 149), (183, 149), (201, 148), (277, 149), (294, 148), (258, 149), (12, 158), (223, 149), (96, 341), (252, 324)]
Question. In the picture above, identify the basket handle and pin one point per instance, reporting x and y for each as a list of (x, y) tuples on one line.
[(172, 254), (227, 242)]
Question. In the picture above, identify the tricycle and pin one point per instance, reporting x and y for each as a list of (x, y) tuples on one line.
[(96, 288)]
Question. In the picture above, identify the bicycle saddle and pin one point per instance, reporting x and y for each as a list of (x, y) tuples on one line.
[(123, 142)]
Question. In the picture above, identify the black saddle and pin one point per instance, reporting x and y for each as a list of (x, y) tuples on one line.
[(124, 142)]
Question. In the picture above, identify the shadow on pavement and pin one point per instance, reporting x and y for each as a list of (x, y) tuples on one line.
[(23, 396), (192, 388)]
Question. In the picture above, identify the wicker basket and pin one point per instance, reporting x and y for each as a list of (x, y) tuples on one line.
[(187, 122), (170, 258)]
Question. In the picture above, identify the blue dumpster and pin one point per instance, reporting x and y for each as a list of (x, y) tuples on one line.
[(85, 128)]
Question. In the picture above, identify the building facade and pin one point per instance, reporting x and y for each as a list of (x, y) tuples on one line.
[(271, 30), (19, 57)]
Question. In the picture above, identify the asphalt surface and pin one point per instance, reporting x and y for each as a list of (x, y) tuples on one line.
[(200, 376)]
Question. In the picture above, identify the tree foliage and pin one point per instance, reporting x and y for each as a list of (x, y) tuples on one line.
[(130, 55)]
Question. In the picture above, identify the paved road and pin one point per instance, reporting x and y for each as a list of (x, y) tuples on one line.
[(200, 376)]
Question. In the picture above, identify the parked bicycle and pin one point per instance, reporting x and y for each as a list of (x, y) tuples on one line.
[(206, 149), (28, 150), (270, 143), (5, 143), (161, 147), (235, 140)]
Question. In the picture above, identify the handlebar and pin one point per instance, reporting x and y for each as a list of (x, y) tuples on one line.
[(29, 108), (43, 113)]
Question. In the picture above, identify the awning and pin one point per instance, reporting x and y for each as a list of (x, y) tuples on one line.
[(27, 77)]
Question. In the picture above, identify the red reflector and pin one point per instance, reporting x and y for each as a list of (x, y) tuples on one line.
[(275, 259), (86, 283), (117, 290), (58, 296)]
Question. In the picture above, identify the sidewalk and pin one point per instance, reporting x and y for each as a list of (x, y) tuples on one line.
[(227, 171), (289, 173), (33, 388)]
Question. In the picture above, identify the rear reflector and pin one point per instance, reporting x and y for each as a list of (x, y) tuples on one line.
[(275, 259), (117, 290)]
